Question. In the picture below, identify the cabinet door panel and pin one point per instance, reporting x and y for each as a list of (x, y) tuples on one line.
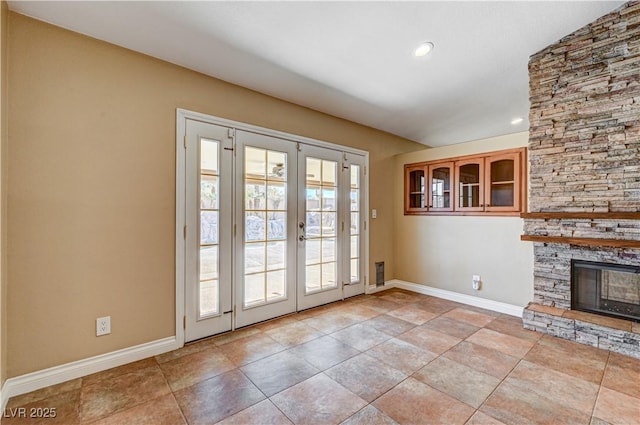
[(469, 185), (502, 182), (441, 190), (415, 189)]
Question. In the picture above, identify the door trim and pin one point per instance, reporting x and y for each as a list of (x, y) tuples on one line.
[(182, 115)]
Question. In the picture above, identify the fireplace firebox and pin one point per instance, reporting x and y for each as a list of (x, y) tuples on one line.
[(606, 289)]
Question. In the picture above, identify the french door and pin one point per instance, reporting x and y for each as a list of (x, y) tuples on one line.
[(274, 226), (208, 237), (330, 225), (266, 227)]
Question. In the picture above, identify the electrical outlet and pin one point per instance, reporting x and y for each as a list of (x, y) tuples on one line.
[(476, 282), (103, 326)]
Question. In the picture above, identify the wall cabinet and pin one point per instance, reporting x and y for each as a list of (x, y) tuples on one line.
[(428, 187), (491, 183)]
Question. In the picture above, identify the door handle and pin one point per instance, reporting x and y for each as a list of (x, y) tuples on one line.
[(302, 237)]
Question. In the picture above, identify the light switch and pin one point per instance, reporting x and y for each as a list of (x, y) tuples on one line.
[(374, 213)]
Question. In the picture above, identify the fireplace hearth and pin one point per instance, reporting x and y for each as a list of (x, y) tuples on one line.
[(606, 289)]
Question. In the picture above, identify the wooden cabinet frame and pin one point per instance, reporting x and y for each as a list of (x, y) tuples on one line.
[(426, 192), (487, 194)]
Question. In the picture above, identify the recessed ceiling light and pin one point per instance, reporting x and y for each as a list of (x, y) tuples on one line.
[(517, 121), (423, 49)]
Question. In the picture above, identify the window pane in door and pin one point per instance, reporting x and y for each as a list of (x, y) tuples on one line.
[(354, 226), (321, 225), (265, 243), (208, 258)]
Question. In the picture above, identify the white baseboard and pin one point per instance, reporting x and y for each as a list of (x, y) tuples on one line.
[(500, 307), (372, 289), (58, 374)]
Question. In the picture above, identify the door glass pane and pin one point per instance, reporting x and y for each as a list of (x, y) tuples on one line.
[(275, 285), (502, 183), (209, 157), (354, 226), (208, 258), (255, 259), (441, 187), (276, 253), (470, 185), (265, 243), (502, 171), (276, 226), (321, 224), (208, 262), (209, 186), (416, 189)]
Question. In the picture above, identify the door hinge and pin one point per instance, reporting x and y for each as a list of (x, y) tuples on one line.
[(234, 229), (343, 226), (298, 147), (365, 281), (184, 322), (365, 170), (365, 225), (184, 141), (184, 232)]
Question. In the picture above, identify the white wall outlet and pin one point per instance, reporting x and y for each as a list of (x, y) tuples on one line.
[(476, 282), (103, 326)]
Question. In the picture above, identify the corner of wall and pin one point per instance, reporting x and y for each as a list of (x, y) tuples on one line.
[(3, 180)]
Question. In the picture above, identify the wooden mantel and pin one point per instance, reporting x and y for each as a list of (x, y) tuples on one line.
[(593, 242), (581, 215)]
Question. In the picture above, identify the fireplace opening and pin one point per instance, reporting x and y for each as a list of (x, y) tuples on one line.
[(607, 289)]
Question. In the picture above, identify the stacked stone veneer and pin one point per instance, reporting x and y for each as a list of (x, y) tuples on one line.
[(584, 149)]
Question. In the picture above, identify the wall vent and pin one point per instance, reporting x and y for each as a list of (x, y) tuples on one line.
[(380, 273)]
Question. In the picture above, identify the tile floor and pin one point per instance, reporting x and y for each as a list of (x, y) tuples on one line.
[(393, 357)]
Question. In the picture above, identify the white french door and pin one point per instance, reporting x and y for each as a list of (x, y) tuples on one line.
[(320, 236), (208, 237), (354, 259), (273, 226), (330, 223), (266, 227)]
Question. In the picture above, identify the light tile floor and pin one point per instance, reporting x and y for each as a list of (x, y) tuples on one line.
[(393, 357)]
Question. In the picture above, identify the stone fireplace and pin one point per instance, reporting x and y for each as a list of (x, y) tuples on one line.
[(584, 178)]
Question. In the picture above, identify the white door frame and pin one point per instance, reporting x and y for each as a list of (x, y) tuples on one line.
[(181, 217)]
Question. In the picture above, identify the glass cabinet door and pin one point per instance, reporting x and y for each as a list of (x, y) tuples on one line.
[(502, 182), (470, 191), (441, 187), (415, 189)]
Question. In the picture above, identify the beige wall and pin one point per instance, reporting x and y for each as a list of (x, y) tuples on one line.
[(92, 192), (4, 12), (445, 251)]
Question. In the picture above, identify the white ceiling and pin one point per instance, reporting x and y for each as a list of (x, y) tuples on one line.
[(351, 59)]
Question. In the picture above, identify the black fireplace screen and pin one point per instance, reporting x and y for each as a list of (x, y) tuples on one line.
[(607, 289)]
